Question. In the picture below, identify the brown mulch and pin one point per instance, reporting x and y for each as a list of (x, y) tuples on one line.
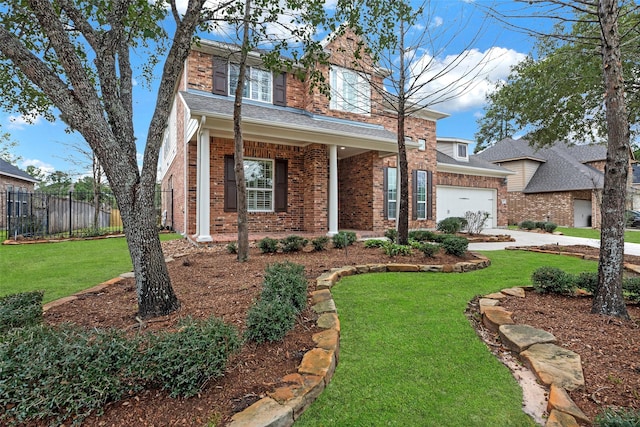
[(208, 281)]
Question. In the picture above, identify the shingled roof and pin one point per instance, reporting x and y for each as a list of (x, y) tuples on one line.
[(8, 169), (562, 166), (474, 162)]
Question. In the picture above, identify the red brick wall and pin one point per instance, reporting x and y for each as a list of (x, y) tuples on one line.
[(315, 188), (555, 207), (461, 180), (355, 183)]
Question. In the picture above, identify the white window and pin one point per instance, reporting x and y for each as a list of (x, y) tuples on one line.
[(350, 91), (421, 195), (422, 144), (257, 83), (392, 192), (462, 151), (259, 177)]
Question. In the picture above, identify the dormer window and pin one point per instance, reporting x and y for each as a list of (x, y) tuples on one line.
[(350, 91), (257, 83), (461, 152)]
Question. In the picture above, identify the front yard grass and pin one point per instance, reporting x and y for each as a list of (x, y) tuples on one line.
[(64, 268), (630, 236), (408, 355)]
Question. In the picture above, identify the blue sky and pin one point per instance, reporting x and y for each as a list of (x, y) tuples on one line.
[(48, 146)]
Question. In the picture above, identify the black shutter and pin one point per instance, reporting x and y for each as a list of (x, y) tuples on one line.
[(414, 194), (385, 192), (280, 89), (281, 187), (220, 74), (230, 189), (429, 195)]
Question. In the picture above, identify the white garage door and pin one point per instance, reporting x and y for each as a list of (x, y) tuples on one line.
[(456, 201), (581, 213)]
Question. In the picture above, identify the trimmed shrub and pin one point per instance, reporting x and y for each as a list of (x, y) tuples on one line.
[(528, 225), (541, 225), (286, 281), (182, 362), (391, 234), (64, 372), (232, 248), (454, 245), (268, 245), (429, 249), (344, 239), (422, 235), (293, 243), (374, 243), (320, 243), (20, 310), (269, 320), (587, 280), (439, 238), (621, 417), (550, 227), (552, 280), (451, 225), (394, 249), (631, 288)]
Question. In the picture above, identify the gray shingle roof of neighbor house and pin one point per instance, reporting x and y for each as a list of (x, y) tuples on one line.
[(8, 169), (213, 105), (474, 162), (561, 167)]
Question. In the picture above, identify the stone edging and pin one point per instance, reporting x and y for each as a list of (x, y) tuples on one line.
[(284, 405)]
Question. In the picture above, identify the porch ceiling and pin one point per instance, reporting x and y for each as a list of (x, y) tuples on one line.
[(288, 126)]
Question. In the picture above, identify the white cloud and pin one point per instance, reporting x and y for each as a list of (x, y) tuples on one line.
[(437, 22), (467, 77), (43, 166), (20, 122)]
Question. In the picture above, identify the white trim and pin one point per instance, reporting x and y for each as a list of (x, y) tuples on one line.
[(333, 190), (203, 191), (273, 184), (471, 170)]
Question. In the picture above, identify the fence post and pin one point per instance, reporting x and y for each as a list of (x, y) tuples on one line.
[(70, 215)]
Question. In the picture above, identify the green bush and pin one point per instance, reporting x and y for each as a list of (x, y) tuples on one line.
[(182, 362), (63, 372), (344, 239), (528, 225), (320, 243), (618, 418), (454, 245), (268, 245), (394, 249), (451, 225), (391, 234), (422, 235), (439, 238), (286, 281), (541, 225), (232, 248), (587, 280), (550, 227), (631, 288), (293, 243), (429, 249), (374, 243), (20, 310), (269, 320), (552, 280)]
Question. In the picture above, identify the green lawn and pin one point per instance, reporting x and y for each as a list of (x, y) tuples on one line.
[(408, 355), (61, 269), (630, 236)]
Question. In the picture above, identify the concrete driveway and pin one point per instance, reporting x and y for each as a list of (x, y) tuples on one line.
[(525, 238)]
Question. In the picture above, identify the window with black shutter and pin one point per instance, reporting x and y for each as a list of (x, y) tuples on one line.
[(220, 73), (280, 89)]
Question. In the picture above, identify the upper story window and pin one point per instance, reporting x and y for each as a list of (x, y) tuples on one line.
[(422, 144), (350, 91), (257, 83), (461, 152)]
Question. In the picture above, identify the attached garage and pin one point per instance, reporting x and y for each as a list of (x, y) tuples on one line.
[(581, 213), (456, 201)]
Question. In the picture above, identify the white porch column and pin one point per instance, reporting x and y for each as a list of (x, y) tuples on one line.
[(333, 190), (203, 191)]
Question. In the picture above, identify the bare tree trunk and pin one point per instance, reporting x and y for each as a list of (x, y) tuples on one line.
[(241, 191), (403, 208), (608, 298)]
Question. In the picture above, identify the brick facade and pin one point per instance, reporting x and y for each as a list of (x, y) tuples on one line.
[(16, 184), (556, 207)]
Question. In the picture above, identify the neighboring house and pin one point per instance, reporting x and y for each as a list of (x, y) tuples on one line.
[(561, 183), (14, 185), (312, 164), (466, 182)]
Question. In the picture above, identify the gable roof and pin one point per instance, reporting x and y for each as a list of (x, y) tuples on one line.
[(7, 169), (475, 166), (562, 166)]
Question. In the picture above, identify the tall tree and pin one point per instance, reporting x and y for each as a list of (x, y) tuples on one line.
[(406, 42), (76, 55), (6, 145), (578, 65)]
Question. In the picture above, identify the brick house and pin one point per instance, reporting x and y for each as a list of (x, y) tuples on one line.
[(561, 183), (313, 164), (14, 184)]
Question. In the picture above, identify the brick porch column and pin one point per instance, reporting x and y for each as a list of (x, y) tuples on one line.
[(333, 190), (203, 190)]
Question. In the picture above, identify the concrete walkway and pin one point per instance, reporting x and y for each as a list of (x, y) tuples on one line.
[(525, 238)]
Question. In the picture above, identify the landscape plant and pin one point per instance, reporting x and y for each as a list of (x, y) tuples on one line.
[(395, 249), (553, 280), (550, 227), (451, 225), (621, 417), (374, 243), (342, 239), (391, 234), (320, 243), (232, 248), (293, 243), (475, 221), (268, 245), (454, 245), (20, 310), (528, 225), (422, 235)]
